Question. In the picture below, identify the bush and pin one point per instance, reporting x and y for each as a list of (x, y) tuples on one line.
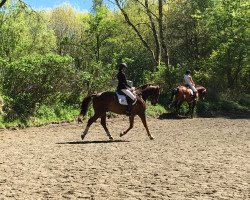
[(231, 106), (167, 77), (37, 80), (211, 108), (245, 100), (53, 114), (155, 111)]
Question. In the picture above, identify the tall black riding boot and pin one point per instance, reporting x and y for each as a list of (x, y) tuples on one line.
[(194, 94), (129, 106)]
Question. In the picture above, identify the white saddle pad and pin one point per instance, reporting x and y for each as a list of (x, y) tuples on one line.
[(122, 99)]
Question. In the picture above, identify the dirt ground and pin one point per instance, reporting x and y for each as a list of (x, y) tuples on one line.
[(200, 158)]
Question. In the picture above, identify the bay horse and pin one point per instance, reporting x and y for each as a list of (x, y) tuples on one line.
[(108, 101), (183, 93)]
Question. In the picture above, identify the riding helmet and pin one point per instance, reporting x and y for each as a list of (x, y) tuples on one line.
[(188, 71), (122, 65)]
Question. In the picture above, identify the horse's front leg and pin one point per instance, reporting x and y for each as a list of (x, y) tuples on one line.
[(144, 121), (189, 109), (172, 102), (103, 123), (131, 124), (178, 106)]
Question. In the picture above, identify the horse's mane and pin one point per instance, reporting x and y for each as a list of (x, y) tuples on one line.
[(199, 87)]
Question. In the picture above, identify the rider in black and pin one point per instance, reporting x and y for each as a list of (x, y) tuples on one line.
[(125, 87)]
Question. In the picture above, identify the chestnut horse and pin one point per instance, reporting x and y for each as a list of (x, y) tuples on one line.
[(183, 93), (108, 101)]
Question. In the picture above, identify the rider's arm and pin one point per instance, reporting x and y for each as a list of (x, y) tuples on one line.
[(123, 80), (191, 80)]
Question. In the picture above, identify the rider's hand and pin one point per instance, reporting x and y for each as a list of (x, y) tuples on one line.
[(132, 88)]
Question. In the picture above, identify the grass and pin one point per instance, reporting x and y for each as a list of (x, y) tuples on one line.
[(221, 107), (44, 115), (61, 113)]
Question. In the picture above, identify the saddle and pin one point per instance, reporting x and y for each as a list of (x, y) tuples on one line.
[(189, 89), (123, 98)]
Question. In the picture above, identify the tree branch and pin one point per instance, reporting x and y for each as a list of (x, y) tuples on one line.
[(2, 3), (135, 29)]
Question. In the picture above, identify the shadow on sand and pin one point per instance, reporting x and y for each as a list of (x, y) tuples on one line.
[(211, 114), (93, 142), (172, 116)]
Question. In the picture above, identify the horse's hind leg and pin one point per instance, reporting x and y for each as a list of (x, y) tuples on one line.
[(103, 123), (189, 112), (131, 124), (90, 121), (192, 109), (144, 121), (178, 106)]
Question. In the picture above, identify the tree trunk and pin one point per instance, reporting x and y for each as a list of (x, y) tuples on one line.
[(165, 54), (155, 35), (2, 3), (146, 45)]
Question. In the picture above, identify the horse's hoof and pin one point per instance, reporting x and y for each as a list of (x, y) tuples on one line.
[(82, 136), (152, 138), (110, 138), (121, 134), (79, 120)]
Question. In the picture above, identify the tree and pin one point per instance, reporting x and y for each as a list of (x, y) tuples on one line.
[(2, 2), (65, 22), (97, 4), (23, 32), (227, 26), (158, 48)]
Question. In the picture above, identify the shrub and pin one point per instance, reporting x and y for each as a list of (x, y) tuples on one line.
[(37, 80), (211, 108), (245, 100), (155, 111)]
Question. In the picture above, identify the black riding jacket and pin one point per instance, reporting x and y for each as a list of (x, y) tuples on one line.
[(122, 81)]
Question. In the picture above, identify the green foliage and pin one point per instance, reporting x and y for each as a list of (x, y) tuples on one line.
[(211, 108), (155, 111), (97, 77), (227, 25), (35, 80), (23, 32), (2, 124), (49, 60), (57, 113), (43, 115), (167, 77), (245, 100)]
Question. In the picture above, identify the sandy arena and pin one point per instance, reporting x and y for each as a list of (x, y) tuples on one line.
[(200, 158)]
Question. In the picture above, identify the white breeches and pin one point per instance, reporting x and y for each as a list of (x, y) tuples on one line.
[(129, 93), (192, 88)]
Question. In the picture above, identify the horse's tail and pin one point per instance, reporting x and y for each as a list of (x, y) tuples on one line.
[(84, 107), (173, 93)]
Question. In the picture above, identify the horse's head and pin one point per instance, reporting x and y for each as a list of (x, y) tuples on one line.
[(151, 92), (202, 92)]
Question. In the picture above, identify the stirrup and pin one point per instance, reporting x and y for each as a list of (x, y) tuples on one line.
[(134, 102)]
